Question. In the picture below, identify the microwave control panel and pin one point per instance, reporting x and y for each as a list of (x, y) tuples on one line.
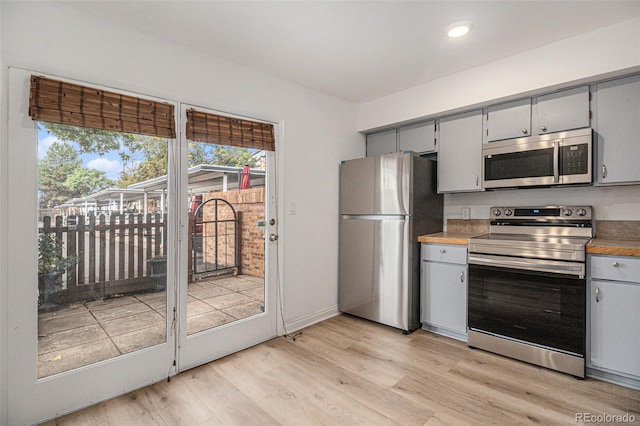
[(574, 159)]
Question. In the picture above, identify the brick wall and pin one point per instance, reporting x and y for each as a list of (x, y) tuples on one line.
[(250, 204)]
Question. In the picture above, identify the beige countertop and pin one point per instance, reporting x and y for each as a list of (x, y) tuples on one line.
[(614, 247), (460, 238)]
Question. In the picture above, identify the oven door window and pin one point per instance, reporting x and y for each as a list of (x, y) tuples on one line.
[(540, 308), (517, 165)]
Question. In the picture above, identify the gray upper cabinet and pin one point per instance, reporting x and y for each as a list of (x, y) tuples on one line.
[(616, 121), (509, 120), (564, 110), (382, 142), (417, 137), (460, 153)]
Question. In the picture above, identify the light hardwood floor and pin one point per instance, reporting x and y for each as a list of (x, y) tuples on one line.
[(350, 371)]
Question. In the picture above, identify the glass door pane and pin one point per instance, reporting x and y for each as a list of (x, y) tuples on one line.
[(226, 198), (101, 245)]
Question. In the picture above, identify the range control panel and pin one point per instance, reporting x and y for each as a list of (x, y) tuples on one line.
[(542, 214)]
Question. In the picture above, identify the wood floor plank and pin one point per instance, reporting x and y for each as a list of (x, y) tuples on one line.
[(229, 404), (348, 371), (353, 387)]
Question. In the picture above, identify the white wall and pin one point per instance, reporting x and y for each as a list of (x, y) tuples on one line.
[(582, 58), (319, 131), (3, 229)]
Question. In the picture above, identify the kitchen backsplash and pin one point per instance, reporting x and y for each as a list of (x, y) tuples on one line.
[(473, 226), (618, 229)]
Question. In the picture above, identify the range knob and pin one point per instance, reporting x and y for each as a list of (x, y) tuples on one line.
[(581, 212), (508, 212), (497, 212), (567, 212)]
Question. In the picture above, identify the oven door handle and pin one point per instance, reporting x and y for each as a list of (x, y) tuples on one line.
[(528, 265)]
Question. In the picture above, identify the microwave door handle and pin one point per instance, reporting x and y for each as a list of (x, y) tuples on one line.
[(556, 162)]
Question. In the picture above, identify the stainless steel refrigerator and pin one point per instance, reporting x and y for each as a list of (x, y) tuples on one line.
[(386, 202)]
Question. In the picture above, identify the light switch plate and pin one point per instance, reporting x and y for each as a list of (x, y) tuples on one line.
[(466, 213)]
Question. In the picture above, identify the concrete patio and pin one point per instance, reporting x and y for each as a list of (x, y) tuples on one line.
[(84, 333)]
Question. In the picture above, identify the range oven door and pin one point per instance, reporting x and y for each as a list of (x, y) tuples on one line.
[(541, 308)]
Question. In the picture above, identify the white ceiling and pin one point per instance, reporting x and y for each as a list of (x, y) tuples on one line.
[(361, 50)]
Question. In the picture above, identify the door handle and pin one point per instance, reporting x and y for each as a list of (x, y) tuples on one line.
[(273, 237)]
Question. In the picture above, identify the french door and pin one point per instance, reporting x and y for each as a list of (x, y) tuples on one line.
[(227, 292), (125, 311)]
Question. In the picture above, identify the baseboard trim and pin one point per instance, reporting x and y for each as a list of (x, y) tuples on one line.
[(315, 318)]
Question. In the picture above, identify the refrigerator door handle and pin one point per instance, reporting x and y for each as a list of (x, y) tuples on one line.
[(375, 216)]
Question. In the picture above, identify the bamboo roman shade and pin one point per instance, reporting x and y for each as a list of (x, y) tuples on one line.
[(66, 103), (222, 130)]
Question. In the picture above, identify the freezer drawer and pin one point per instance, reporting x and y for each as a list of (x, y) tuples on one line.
[(374, 278)]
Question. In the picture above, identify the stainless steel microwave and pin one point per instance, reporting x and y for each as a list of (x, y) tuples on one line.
[(547, 160)]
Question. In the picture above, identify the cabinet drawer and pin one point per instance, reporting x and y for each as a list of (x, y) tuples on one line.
[(616, 268), (444, 253)]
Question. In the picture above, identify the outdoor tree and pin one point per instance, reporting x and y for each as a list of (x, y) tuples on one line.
[(62, 176), (232, 156), (85, 181)]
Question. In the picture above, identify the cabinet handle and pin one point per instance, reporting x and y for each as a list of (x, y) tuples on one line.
[(443, 251), (543, 128), (461, 276), (604, 171), (597, 294), (615, 264), (477, 179), (525, 131)]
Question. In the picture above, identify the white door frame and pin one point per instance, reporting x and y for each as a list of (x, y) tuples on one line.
[(31, 399), (199, 348)]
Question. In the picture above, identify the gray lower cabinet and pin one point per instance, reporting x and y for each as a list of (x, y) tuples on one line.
[(382, 143), (616, 121), (419, 138), (614, 319), (564, 110), (460, 153), (443, 290)]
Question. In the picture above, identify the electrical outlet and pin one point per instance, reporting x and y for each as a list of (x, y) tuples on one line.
[(466, 213)]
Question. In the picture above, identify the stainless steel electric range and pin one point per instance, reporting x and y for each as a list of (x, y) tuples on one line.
[(527, 285)]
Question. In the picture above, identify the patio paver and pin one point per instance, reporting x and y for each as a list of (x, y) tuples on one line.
[(84, 333)]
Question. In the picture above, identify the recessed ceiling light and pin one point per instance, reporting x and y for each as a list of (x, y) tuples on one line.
[(458, 29)]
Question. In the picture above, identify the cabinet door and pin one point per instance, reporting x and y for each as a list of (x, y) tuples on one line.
[(444, 296), (510, 120), (617, 126), (418, 137), (615, 326), (460, 153), (382, 143), (565, 110)]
